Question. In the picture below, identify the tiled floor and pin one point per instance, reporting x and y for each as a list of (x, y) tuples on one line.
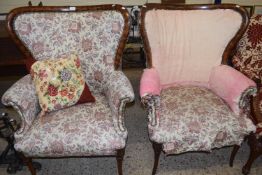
[(139, 154)]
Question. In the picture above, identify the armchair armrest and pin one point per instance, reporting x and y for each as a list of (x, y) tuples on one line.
[(152, 104), (232, 86), (150, 83), (118, 91), (257, 110), (150, 89), (22, 97)]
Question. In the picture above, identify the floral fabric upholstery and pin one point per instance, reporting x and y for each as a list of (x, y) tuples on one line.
[(257, 113), (93, 36), (81, 130), (192, 118), (118, 92), (22, 97), (248, 58)]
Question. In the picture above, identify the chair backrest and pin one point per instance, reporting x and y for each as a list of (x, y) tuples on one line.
[(248, 57), (96, 34), (184, 42)]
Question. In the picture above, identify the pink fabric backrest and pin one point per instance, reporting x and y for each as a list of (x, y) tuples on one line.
[(187, 44)]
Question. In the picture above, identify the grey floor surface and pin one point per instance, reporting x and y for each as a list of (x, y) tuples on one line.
[(138, 159)]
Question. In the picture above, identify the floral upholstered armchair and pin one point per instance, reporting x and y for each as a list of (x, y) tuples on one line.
[(248, 60), (96, 35), (194, 100)]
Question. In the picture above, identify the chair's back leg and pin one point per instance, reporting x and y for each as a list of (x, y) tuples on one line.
[(233, 154), (119, 157), (157, 151)]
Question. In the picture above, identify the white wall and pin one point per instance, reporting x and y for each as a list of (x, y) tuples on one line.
[(240, 2), (7, 5), (244, 2)]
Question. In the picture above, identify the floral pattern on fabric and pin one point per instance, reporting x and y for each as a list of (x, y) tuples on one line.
[(248, 58), (22, 97), (84, 129), (59, 83), (93, 35), (257, 111), (118, 91), (81, 130), (254, 34), (188, 113), (152, 104)]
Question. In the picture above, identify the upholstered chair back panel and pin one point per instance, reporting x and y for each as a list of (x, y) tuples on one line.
[(49, 35), (248, 58), (186, 44)]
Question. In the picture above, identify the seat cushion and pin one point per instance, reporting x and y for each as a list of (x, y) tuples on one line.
[(195, 119), (81, 130)]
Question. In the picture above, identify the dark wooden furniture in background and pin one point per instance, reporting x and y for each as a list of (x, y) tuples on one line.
[(9, 156), (11, 59), (133, 56)]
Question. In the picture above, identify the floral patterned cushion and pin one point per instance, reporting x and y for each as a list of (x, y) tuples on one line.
[(195, 119), (81, 130), (60, 83), (248, 58)]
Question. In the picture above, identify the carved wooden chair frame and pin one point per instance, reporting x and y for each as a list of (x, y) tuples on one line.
[(227, 54), (117, 62)]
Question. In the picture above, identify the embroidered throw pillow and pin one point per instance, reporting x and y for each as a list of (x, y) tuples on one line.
[(60, 83)]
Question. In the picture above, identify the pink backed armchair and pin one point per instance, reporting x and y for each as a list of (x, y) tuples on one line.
[(98, 35), (194, 100), (248, 60)]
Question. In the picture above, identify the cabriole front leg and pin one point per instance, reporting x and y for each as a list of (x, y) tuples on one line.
[(120, 157), (157, 151), (255, 145)]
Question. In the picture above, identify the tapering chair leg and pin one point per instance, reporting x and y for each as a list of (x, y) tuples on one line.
[(255, 151), (157, 151), (233, 154), (119, 158), (29, 163)]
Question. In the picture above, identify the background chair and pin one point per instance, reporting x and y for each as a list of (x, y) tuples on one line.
[(248, 60), (98, 35), (194, 100)]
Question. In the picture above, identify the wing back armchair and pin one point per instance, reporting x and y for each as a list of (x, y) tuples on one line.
[(195, 101), (248, 60), (97, 34)]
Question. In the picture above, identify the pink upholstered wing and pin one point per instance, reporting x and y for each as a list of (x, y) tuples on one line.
[(230, 85), (150, 83)]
